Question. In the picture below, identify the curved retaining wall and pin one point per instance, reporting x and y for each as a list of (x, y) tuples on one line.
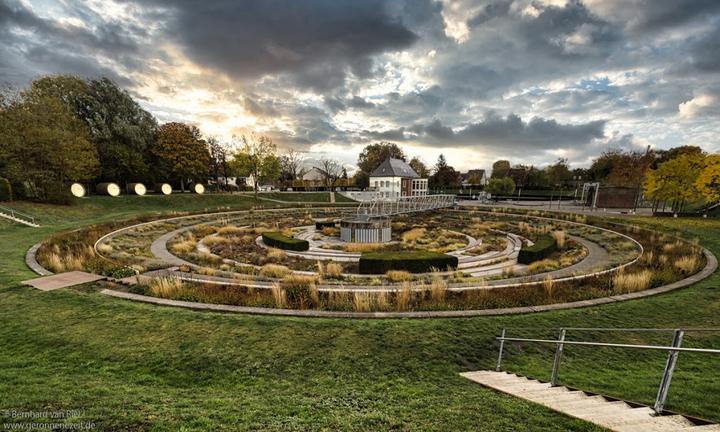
[(710, 267)]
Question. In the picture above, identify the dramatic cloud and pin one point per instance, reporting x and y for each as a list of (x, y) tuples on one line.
[(529, 80), (317, 42)]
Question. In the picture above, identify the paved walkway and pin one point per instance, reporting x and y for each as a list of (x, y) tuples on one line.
[(62, 280), (615, 415)]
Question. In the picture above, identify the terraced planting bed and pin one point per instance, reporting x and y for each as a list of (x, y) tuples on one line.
[(222, 258)]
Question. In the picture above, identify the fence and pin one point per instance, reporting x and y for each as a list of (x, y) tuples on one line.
[(673, 350)]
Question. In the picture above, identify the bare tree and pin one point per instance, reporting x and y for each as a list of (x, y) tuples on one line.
[(290, 166), (332, 170)]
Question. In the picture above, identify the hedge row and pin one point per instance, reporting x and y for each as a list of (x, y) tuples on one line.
[(275, 239), (5, 190), (319, 225), (543, 248), (412, 261)]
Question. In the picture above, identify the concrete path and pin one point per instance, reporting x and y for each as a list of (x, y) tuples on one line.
[(62, 280), (615, 415)]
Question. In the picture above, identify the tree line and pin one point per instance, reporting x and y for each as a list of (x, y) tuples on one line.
[(66, 129)]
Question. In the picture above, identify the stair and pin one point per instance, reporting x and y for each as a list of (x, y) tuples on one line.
[(614, 415), (16, 216)]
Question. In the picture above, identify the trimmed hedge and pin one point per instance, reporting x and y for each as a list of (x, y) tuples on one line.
[(5, 190), (543, 248), (412, 261), (275, 239), (319, 225)]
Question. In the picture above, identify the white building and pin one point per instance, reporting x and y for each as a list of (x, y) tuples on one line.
[(394, 178)]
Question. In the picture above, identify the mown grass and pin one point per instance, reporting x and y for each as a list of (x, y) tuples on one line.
[(131, 366)]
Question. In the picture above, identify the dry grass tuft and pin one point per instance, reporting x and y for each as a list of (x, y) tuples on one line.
[(207, 271), (276, 254), (279, 295), (413, 235), (333, 270), (363, 247), (214, 241), (438, 289), (230, 230), (274, 271), (560, 238), (403, 297), (398, 275), (105, 248), (631, 282), (185, 246), (543, 265), (548, 286), (166, 287), (362, 302), (687, 264)]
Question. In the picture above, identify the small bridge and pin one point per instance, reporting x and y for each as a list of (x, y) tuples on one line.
[(16, 216), (382, 207)]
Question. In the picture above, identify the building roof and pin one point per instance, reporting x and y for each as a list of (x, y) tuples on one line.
[(394, 168)]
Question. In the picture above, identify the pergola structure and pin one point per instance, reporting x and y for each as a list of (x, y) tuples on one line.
[(381, 207), (371, 223)]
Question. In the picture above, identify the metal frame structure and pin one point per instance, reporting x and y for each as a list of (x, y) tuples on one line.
[(673, 350), (407, 204), (18, 216), (587, 187)]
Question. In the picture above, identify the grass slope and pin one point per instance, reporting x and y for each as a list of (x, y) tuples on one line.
[(129, 366)]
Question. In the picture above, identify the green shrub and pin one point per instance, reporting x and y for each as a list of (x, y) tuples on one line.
[(413, 261), (5, 190), (275, 239), (545, 246), (319, 225)]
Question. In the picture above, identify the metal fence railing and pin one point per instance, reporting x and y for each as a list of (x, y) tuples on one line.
[(673, 350), (17, 214)]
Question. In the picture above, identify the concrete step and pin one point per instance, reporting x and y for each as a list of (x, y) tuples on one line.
[(615, 415), (702, 428), (18, 220), (656, 424)]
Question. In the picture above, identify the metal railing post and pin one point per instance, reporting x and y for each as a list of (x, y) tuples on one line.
[(500, 352), (667, 374), (556, 360)]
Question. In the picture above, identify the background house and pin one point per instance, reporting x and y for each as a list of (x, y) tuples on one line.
[(474, 177), (394, 178)]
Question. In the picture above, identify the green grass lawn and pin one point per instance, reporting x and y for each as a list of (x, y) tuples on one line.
[(131, 366)]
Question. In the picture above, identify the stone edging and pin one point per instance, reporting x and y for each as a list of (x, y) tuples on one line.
[(31, 261), (709, 269)]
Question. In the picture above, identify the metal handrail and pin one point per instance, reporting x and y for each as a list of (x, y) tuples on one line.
[(14, 212), (614, 345), (673, 351), (628, 329)]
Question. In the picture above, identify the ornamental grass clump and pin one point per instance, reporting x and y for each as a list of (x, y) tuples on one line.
[(331, 270), (274, 271), (363, 247), (301, 291), (413, 235), (687, 264), (560, 239), (362, 302), (438, 289), (398, 275), (166, 287), (632, 282), (403, 297), (279, 296)]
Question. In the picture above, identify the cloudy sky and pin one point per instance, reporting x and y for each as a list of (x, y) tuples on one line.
[(526, 80)]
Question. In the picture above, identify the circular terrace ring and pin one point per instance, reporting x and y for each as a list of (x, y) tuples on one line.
[(459, 286), (223, 217)]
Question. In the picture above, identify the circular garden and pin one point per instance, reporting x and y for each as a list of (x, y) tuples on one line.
[(442, 260)]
